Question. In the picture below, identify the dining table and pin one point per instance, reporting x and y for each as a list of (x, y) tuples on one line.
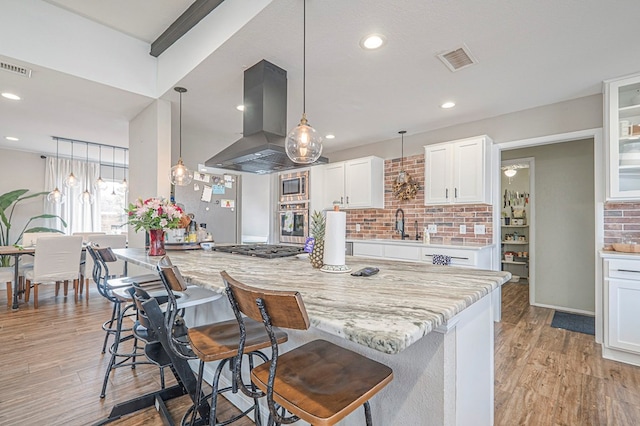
[(16, 251)]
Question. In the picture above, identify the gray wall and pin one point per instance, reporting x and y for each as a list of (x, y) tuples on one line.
[(29, 168), (564, 208)]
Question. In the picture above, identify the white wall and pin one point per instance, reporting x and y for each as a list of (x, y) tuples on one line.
[(257, 199), (23, 170)]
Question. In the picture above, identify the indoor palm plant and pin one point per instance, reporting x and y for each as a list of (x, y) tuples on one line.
[(8, 203)]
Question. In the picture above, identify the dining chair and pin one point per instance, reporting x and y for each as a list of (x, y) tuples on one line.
[(56, 260), (6, 275), (86, 236), (116, 269), (29, 239)]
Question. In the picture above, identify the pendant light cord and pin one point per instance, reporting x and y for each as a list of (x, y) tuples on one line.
[(87, 171), (57, 161), (304, 57), (180, 125)]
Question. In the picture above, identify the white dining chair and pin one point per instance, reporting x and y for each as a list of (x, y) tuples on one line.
[(56, 260), (30, 239), (86, 236), (6, 275), (116, 269)]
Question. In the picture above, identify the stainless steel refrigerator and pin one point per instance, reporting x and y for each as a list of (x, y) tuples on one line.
[(215, 201)]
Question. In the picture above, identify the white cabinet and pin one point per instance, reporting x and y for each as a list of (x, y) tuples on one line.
[(622, 130), (458, 172), (621, 300), (355, 184)]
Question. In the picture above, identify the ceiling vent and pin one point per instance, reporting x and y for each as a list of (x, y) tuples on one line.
[(26, 72), (458, 58)]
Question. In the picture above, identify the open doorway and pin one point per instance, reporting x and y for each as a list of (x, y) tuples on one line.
[(561, 263), (517, 221)]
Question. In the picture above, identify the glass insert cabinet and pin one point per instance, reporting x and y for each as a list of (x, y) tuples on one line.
[(622, 128)]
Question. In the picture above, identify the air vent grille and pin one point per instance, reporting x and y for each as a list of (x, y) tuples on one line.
[(458, 58), (26, 72)]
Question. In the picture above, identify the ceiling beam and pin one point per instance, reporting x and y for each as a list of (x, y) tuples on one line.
[(194, 14)]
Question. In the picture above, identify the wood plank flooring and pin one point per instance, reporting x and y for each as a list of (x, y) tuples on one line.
[(51, 369), (550, 376)]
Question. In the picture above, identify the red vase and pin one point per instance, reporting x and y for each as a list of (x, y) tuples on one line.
[(156, 242)]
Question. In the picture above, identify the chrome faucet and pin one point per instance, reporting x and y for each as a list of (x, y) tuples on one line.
[(400, 223)]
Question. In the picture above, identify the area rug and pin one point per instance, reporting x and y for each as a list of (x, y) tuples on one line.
[(574, 322)]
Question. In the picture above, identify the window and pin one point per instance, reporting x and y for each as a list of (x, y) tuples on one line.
[(113, 201)]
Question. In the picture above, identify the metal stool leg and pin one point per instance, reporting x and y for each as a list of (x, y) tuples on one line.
[(367, 413)]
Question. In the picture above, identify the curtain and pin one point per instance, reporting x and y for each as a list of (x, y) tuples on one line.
[(79, 217)]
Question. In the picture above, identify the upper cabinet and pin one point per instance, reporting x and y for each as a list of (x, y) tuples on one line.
[(458, 172), (622, 130), (355, 184)]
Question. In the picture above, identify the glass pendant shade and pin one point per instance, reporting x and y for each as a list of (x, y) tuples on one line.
[(86, 197), (180, 175), (56, 196), (402, 176), (303, 145), (101, 184), (71, 181), (510, 173)]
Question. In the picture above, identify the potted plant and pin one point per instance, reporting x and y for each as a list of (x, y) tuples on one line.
[(8, 203)]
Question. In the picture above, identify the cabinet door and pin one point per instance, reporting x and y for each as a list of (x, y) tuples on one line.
[(437, 174), (469, 171), (333, 184), (624, 319), (622, 129), (358, 183)]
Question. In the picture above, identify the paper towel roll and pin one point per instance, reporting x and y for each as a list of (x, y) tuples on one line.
[(334, 238)]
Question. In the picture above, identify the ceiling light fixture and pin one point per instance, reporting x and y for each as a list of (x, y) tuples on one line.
[(402, 176), (180, 175), (56, 196), (11, 138), (86, 197), (510, 173), (448, 105), (373, 41), (11, 96), (240, 107), (330, 136), (71, 181), (100, 184), (303, 144), (125, 184)]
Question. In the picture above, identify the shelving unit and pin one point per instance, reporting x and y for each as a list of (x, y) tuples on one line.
[(520, 264)]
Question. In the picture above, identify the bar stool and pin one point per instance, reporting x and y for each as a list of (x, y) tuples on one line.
[(318, 382), (118, 292), (212, 342)]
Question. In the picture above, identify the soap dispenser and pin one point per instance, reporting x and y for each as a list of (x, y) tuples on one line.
[(426, 237)]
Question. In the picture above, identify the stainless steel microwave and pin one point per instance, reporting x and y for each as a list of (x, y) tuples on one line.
[(294, 187)]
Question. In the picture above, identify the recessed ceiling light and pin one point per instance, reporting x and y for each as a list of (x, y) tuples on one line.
[(330, 136), (373, 41), (448, 105), (11, 96), (11, 138), (240, 107)]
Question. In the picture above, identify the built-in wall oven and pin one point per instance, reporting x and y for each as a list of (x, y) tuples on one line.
[(293, 222), (294, 187)]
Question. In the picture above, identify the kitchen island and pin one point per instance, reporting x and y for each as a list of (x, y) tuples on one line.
[(432, 325)]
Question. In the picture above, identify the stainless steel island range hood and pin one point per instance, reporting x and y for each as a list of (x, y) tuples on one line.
[(261, 149)]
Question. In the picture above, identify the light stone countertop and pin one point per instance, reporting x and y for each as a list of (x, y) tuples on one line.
[(387, 312), (419, 243)]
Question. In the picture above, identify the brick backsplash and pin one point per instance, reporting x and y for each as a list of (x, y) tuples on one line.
[(622, 222), (380, 223)]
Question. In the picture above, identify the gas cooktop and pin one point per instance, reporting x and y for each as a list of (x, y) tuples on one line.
[(268, 251)]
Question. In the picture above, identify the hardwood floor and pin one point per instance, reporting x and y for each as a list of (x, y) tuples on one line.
[(550, 376), (51, 369)]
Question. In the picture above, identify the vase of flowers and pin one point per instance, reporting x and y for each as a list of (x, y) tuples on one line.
[(154, 215)]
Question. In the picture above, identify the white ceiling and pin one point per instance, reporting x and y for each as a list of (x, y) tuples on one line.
[(530, 53)]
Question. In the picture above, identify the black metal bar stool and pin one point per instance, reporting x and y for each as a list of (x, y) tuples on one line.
[(212, 342), (118, 292), (318, 382)]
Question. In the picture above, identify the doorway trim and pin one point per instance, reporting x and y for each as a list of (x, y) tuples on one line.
[(599, 198)]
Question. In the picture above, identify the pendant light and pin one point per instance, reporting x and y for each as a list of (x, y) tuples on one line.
[(100, 184), (402, 176), (125, 184), (56, 196), (71, 181), (113, 173), (303, 144), (180, 175), (86, 197)]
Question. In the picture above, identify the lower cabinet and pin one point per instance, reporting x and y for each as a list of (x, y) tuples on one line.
[(622, 310), (467, 257)]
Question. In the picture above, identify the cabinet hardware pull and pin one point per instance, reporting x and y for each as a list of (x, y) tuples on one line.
[(341, 198), (347, 199), (456, 192), (446, 193)]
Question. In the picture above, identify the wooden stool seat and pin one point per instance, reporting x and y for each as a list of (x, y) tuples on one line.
[(321, 382), (213, 342)]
